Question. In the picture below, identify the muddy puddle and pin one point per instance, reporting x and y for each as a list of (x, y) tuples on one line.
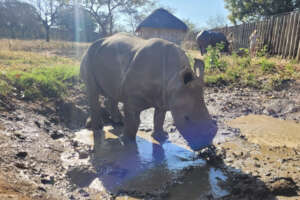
[(146, 170)]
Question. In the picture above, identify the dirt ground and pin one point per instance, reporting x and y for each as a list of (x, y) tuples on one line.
[(256, 147)]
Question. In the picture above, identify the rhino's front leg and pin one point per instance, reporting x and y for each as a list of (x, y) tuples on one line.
[(131, 124), (159, 118), (112, 106)]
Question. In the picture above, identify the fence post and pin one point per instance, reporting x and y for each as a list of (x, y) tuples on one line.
[(297, 38), (282, 33), (293, 36), (288, 36), (298, 53), (277, 35)]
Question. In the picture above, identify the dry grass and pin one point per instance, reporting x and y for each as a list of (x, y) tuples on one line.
[(61, 48)]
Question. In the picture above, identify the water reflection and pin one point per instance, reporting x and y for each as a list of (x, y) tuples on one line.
[(147, 166)]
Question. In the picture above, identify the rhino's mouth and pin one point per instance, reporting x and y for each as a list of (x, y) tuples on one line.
[(199, 136)]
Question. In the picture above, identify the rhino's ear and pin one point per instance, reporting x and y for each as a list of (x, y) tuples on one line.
[(187, 75), (199, 68)]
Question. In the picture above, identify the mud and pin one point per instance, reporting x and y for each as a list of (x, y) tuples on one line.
[(46, 154)]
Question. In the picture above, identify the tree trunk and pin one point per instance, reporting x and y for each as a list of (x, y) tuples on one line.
[(47, 29), (48, 34)]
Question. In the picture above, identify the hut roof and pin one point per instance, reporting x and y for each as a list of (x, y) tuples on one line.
[(161, 18)]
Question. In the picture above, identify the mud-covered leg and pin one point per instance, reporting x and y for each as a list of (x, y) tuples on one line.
[(112, 106), (93, 97), (159, 118), (131, 124)]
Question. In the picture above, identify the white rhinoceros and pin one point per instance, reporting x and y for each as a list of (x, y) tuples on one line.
[(143, 74)]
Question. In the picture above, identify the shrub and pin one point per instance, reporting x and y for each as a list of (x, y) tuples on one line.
[(263, 51), (212, 59)]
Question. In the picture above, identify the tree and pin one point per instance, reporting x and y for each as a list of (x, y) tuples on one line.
[(78, 23), (19, 19), (105, 12), (250, 10), (192, 26), (47, 12)]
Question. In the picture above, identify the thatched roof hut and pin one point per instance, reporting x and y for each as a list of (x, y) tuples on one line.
[(162, 24)]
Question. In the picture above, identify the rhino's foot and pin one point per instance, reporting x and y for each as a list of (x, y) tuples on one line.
[(160, 136), (126, 140)]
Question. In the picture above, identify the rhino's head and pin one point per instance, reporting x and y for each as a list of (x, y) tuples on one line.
[(188, 108)]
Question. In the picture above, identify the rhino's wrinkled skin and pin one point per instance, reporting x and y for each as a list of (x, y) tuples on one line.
[(143, 74), (206, 38)]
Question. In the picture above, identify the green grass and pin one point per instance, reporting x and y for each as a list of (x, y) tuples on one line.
[(35, 75), (260, 72)]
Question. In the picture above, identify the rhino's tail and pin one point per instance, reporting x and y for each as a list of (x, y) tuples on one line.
[(86, 71)]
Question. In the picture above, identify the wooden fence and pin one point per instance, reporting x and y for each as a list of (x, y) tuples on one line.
[(280, 33)]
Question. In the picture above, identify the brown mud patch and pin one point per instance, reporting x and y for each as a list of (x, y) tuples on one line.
[(38, 143), (268, 131), (269, 150)]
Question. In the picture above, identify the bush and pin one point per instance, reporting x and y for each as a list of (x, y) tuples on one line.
[(212, 59), (262, 52)]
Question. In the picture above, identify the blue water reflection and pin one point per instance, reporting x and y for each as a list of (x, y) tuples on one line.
[(124, 168)]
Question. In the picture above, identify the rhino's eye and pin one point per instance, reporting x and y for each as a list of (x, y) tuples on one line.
[(186, 118)]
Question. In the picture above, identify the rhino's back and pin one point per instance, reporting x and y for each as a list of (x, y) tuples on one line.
[(127, 66)]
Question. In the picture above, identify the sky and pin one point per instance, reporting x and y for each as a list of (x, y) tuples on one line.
[(197, 11)]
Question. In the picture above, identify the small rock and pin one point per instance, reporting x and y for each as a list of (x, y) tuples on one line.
[(42, 189), (226, 133), (21, 154), (21, 137), (54, 120), (48, 180), (257, 165), (268, 174), (83, 155), (19, 118), (83, 193), (38, 124), (56, 135), (75, 143), (21, 166), (47, 123)]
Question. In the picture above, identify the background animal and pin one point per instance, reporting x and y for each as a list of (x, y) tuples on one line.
[(206, 38)]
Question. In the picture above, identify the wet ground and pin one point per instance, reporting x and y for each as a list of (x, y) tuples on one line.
[(46, 154)]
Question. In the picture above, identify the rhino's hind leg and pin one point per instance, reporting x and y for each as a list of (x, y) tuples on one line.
[(93, 98), (159, 118), (131, 124)]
